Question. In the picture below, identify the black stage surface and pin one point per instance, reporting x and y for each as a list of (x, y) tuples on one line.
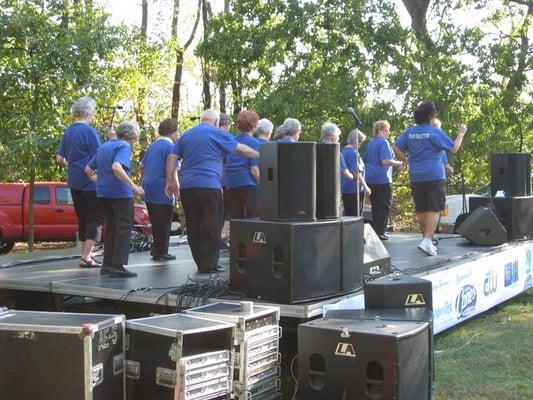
[(57, 272)]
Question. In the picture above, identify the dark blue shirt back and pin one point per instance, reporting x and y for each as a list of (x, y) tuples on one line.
[(107, 184), (201, 149), (154, 171), (352, 159), (425, 144), (237, 168), (78, 145)]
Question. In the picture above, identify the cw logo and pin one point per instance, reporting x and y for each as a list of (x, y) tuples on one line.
[(345, 349), (415, 300)]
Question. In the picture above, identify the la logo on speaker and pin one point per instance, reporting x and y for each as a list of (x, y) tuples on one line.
[(345, 349), (259, 237), (415, 300)]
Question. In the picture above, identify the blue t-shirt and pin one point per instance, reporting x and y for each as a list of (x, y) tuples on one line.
[(375, 172), (351, 156), (107, 184), (263, 140), (78, 145), (154, 171), (425, 144), (237, 168), (201, 149)]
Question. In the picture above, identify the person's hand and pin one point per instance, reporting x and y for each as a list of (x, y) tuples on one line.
[(462, 130), (449, 169), (368, 190), (138, 190), (172, 190), (404, 166)]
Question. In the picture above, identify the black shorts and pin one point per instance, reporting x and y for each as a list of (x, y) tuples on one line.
[(429, 196)]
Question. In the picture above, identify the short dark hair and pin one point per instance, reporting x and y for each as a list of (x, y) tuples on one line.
[(168, 126), (425, 112)]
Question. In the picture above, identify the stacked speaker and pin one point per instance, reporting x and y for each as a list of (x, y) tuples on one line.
[(299, 249), (380, 353), (507, 214)]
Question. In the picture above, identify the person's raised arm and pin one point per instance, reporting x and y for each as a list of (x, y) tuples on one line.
[(60, 160), (246, 151), (459, 138)]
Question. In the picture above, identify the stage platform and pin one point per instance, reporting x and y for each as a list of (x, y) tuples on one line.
[(466, 279)]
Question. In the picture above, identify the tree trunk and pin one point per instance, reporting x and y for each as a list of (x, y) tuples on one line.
[(144, 20), (206, 79), (180, 52), (141, 94), (417, 10)]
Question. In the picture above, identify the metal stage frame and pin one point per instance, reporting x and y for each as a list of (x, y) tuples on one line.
[(467, 279)]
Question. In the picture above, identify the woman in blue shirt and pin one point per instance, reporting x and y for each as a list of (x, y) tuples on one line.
[(426, 144), (159, 205), (356, 166), (79, 144), (379, 161), (242, 173), (110, 169)]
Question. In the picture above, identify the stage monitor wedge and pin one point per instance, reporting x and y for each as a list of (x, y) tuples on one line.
[(483, 228), (287, 182)]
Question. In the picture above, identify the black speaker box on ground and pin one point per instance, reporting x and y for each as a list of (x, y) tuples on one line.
[(364, 359), (285, 262), (515, 213), (287, 181), (394, 314), (483, 228), (352, 253), (327, 180), (376, 259), (398, 290), (510, 172)]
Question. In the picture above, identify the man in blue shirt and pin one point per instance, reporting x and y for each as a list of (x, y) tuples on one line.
[(110, 168), (79, 144), (379, 161), (201, 149), (426, 145), (159, 205)]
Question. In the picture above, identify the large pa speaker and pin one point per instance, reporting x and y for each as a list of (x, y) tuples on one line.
[(285, 262), (510, 172), (398, 290), (287, 181), (327, 180), (352, 253), (515, 213), (364, 359), (376, 258), (482, 227)]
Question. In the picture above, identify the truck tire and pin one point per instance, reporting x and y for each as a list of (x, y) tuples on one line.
[(6, 247)]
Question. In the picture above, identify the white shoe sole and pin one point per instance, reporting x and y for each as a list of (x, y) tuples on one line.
[(429, 253)]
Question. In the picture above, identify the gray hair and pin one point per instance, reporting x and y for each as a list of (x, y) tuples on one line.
[(354, 135), (330, 130), (280, 132), (209, 115), (83, 107), (224, 119), (264, 127), (128, 130), (292, 126)]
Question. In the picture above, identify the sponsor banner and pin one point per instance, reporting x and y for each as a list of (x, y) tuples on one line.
[(468, 289)]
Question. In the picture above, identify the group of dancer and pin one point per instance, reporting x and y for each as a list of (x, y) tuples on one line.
[(215, 175)]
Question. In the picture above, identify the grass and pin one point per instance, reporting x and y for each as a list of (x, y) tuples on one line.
[(489, 357)]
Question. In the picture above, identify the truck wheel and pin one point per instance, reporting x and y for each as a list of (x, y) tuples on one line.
[(6, 247)]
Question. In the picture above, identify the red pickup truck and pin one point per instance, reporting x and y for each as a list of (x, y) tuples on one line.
[(54, 215)]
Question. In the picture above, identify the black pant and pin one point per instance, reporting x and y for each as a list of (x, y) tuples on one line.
[(204, 213), (242, 202), (161, 220), (118, 226), (381, 201), (349, 200), (89, 213)]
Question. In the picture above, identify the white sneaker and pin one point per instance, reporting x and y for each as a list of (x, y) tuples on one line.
[(427, 247)]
